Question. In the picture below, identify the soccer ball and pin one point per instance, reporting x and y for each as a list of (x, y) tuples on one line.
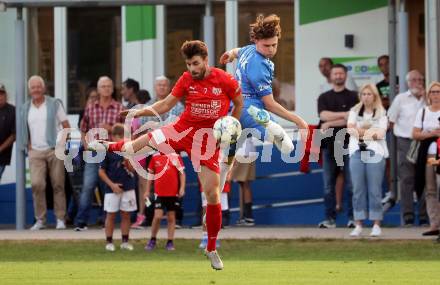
[(227, 130)]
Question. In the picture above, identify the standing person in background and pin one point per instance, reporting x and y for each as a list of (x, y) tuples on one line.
[(402, 114), (367, 124), (169, 185), (333, 107), (244, 174), (143, 97), (129, 90), (325, 66), (119, 188), (426, 130), (7, 129), (103, 113), (383, 62), (91, 97), (42, 118), (432, 128)]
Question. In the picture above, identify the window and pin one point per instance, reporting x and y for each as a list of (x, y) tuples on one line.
[(41, 45), (94, 50)]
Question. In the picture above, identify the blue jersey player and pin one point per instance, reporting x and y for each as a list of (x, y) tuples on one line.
[(255, 72)]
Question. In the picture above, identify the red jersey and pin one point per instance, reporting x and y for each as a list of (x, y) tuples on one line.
[(207, 99), (166, 168)]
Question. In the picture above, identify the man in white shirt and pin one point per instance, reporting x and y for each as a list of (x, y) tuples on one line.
[(43, 118), (401, 114)]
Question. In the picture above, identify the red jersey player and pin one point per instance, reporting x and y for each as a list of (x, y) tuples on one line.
[(208, 92)]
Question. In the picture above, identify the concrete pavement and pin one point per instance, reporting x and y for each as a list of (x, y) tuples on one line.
[(414, 233)]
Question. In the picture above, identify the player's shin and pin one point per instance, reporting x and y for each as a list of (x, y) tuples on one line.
[(213, 224), (227, 159)]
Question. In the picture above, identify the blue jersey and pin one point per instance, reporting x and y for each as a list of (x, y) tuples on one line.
[(254, 73), (114, 168)]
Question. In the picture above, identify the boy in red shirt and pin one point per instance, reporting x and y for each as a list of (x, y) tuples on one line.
[(168, 173)]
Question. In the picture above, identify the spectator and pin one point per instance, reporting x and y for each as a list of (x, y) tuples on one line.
[(325, 66), (333, 107), (401, 114), (143, 97), (76, 177), (427, 131), (42, 117), (367, 124), (244, 174), (383, 62), (129, 90), (103, 113), (432, 178), (169, 184), (162, 88), (91, 96), (7, 130), (119, 187)]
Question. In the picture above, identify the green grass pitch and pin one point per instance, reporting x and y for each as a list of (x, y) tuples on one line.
[(246, 262)]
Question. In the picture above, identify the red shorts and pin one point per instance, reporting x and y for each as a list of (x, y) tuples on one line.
[(198, 143)]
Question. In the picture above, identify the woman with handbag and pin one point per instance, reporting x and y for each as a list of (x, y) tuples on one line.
[(367, 124), (426, 131)]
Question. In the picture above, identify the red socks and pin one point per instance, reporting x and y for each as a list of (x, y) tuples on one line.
[(213, 224), (113, 147)]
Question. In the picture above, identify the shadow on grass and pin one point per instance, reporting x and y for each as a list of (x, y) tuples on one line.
[(239, 250)]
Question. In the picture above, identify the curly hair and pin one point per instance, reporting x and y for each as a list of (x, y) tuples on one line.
[(265, 27), (192, 48)]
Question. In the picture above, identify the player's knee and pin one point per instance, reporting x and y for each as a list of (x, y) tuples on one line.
[(212, 195)]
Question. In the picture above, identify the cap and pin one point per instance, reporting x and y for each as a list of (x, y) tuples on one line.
[(2, 88)]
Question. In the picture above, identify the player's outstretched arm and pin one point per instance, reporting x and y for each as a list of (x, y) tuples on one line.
[(159, 107), (272, 106), (229, 56)]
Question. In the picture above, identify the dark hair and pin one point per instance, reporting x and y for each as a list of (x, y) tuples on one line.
[(193, 48), (118, 130), (339, 65), (327, 59), (384, 56), (143, 96), (89, 91), (130, 83), (265, 27)]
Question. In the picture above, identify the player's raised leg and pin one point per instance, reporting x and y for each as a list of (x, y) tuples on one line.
[(210, 185)]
